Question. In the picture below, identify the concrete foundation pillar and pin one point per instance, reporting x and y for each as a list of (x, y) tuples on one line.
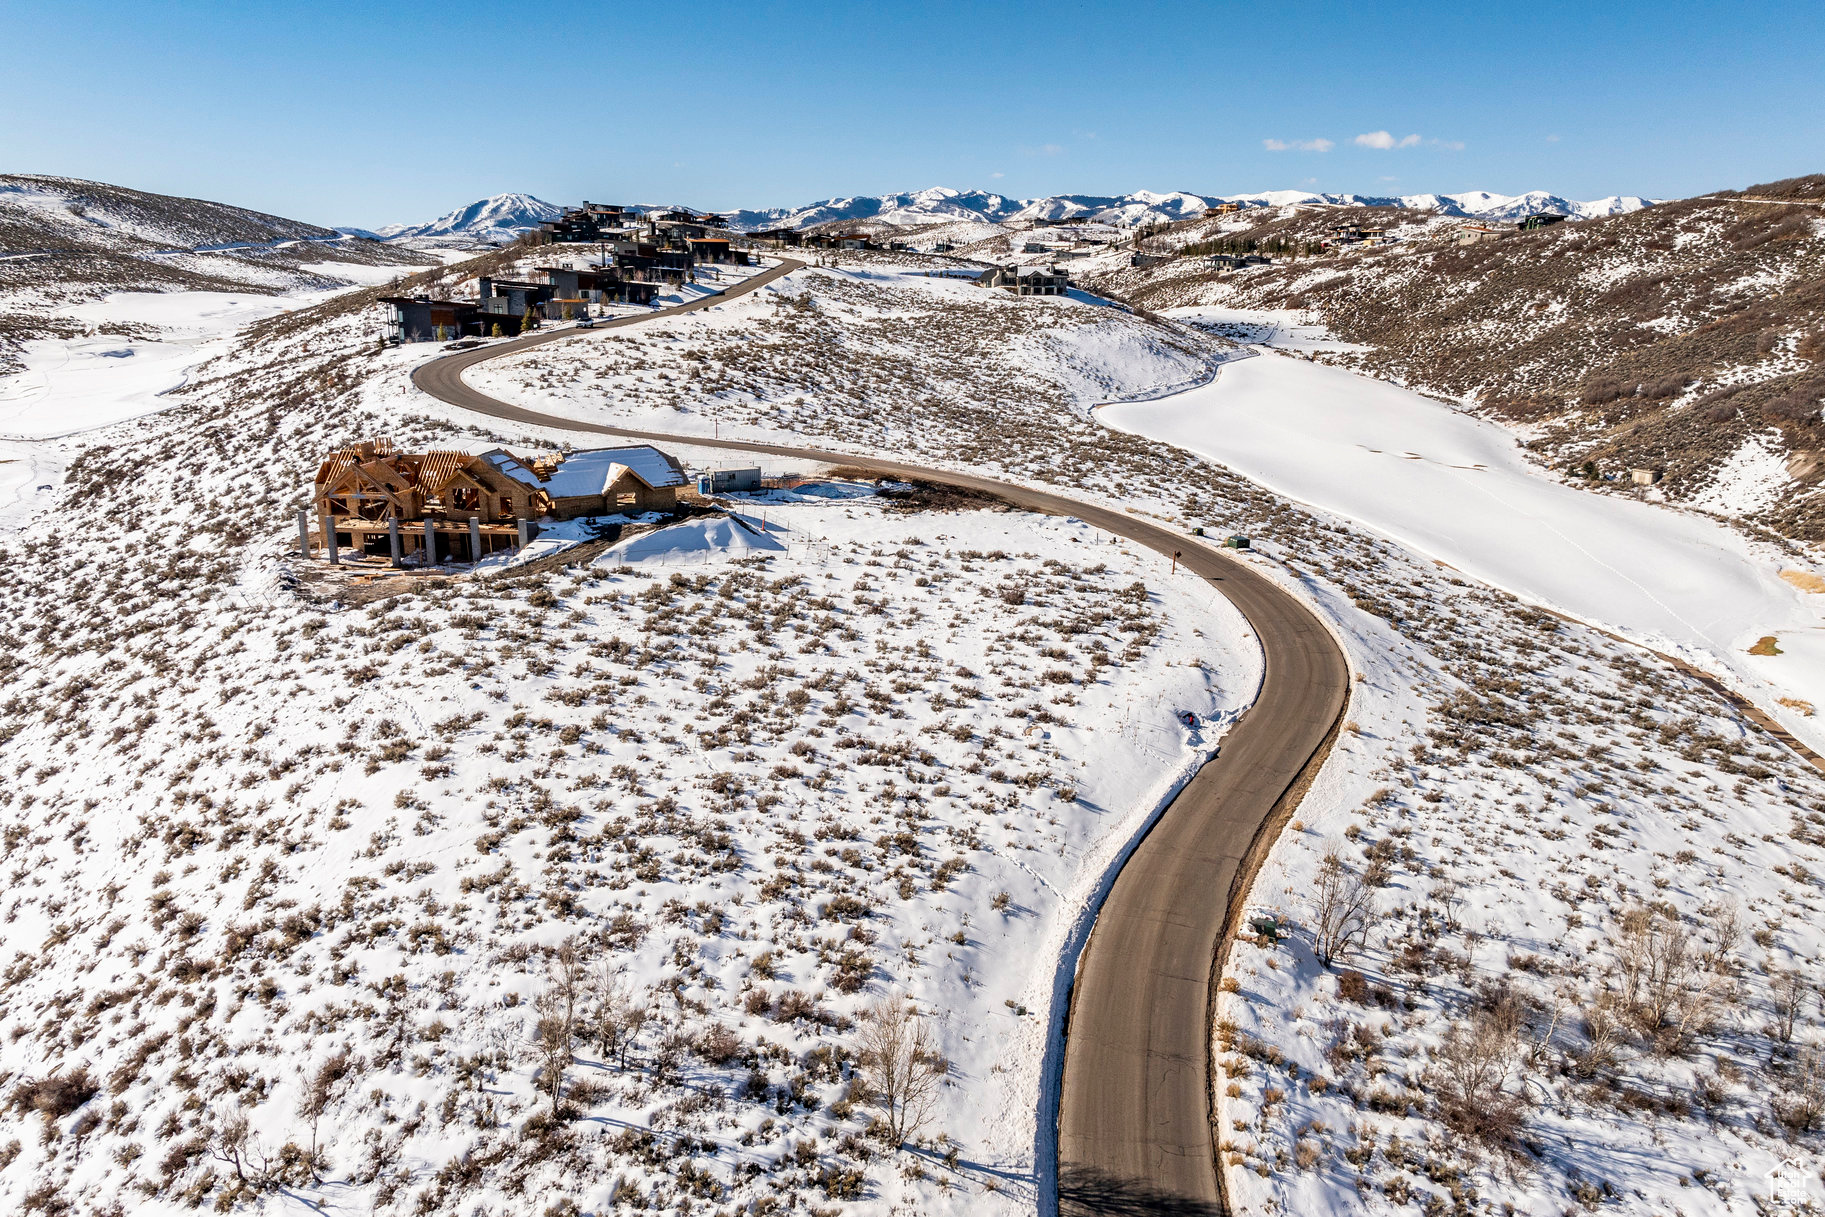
[(475, 538), (399, 549), (329, 541), (430, 543), (304, 532), (525, 531)]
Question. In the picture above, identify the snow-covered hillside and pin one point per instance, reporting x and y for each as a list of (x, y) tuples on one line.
[(1687, 340), (571, 889), (66, 244), (942, 204), (40, 214), (1473, 1048), (751, 365)]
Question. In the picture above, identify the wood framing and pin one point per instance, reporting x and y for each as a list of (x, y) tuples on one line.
[(458, 506)]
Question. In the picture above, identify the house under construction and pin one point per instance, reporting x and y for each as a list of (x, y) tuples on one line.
[(441, 506)]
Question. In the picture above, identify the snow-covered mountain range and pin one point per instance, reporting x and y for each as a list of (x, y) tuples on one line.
[(942, 204), (505, 216), (501, 217)]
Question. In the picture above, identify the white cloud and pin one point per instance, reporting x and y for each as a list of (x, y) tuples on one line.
[(1384, 140), (1298, 145)]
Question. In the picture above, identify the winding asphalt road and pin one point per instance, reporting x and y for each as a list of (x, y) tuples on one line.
[(1135, 1133)]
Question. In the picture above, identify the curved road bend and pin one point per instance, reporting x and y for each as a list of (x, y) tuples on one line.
[(1134, 1120)]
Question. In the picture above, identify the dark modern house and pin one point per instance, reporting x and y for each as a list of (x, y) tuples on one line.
[(716, 249), (1028, 280), (506, 301), (598, 285), (589, 223), (789, 238), (420, 319)]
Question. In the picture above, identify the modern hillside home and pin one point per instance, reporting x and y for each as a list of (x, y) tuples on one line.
[(1475, 234), (1027, 280), (716, 250), (507, 301), (421, 319), (598, 285), (785, 238)]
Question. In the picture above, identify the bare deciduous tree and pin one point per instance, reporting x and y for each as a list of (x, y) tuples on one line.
[(1604, 1033), (1672, 989), (615, 1017), (318, 1092), (1801, 1103), (1343, 910), (1470, 1072), (552, 1039), (235, 1145), (554, 1028), (901, 1066), (1791, 989)]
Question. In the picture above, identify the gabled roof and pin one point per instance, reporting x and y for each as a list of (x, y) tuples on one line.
[(595, 470), (511, 465), (440, 469), (342, 460)]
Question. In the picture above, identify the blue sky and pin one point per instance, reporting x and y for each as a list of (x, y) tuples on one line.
[(366, 113)]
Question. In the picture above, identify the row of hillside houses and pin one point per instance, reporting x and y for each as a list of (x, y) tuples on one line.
[(637, 254), (792, 238), (428, 507)]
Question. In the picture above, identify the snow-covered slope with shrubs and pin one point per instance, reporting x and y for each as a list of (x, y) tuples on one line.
[(340, 848), (1520, 816), (518, 893), (1682, 340)]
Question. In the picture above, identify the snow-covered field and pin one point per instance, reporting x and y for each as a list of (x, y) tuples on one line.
[(742, 368), (1459, 489), (764, 773), (1499, 767), (140, 348), (369, 824)]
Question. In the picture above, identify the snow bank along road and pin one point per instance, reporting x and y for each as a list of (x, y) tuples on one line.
[(1134, 1128)]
